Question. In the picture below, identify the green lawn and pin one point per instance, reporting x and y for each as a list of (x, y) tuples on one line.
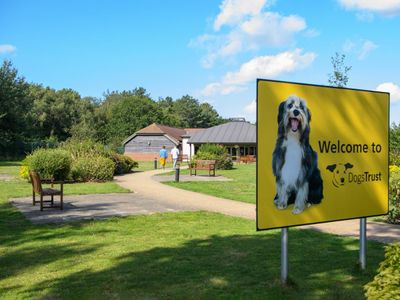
[(10, 167), (177, 255), (241, 188), (149, 165)]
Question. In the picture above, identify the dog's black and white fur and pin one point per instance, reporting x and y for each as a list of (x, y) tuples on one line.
[(294, 163)]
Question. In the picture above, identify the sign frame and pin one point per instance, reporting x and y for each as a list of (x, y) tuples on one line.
[(258, 153)]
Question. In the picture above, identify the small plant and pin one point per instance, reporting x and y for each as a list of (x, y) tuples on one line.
[(386, 284), (217, 152), (50, 163), (24, 169)]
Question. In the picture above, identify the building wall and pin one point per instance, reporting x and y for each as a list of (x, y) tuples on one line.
[(146, 147), (235, 150), (187, 149)]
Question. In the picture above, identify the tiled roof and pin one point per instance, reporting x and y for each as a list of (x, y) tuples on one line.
[(228, 133), (154, 128)]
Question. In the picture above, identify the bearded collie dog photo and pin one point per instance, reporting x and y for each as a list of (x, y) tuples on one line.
[(294, 162)]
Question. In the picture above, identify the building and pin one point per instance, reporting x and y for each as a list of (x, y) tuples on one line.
[(146, 143), (238, 136)]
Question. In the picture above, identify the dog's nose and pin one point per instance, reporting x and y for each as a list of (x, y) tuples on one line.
[(342, 180), (296, 112)]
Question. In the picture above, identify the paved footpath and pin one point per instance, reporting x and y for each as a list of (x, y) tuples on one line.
[(147, 187)]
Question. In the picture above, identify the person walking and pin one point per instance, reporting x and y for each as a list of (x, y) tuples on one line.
[(175, 155), (163, 157)]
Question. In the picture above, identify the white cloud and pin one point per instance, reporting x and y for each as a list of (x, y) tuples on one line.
[(269, 66), (251, 108), (250, 28), (233, 11), (221, 88), (7, 49), (366, 48), (272, 29), (391, 88), (312, 33), (365, 16), (389, 7), (348, 46), (360, 48)]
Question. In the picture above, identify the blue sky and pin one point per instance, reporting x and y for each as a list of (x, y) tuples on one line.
[(213, 50)]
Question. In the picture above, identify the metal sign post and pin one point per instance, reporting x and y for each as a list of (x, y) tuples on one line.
[(363, 241), (284, 255)]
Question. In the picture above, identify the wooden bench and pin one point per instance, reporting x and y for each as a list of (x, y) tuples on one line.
[(247, 159), (208, 165), (37, 189), (183, 158)]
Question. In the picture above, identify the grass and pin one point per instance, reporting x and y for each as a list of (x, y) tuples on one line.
[(175, 255), (19, 187), (186, 255), (241, 188), (144, 166), (149, 165), (10, 167)]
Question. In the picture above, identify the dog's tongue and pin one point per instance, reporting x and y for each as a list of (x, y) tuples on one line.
[(294, 123)]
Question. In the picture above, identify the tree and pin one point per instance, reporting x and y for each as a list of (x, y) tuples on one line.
[(14, 105), (121, 114), (86, 128), (192, 114), (188, 111), (209, 116), (395, 137), (339, 76), (171, 118), (54, 113)]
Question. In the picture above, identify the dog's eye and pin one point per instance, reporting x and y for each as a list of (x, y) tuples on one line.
[(290, 105), (301, 106)]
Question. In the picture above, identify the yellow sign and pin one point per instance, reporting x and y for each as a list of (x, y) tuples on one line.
[(322, 154)]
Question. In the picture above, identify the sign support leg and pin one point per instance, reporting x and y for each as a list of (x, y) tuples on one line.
[(363, 242), (284, 255)]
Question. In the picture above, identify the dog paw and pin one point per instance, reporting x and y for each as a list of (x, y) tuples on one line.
[(297, 210), (280, 206)]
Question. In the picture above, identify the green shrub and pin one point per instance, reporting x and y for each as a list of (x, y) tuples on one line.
[(123, 163), (394, 196), (85, 148), (92, 168), (51, 163), (386, 284), (394, 157), (217, 152)]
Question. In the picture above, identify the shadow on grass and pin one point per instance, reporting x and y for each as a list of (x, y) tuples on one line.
[(239, 266)]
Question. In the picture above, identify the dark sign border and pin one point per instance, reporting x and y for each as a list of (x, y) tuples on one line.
[(323, 86)]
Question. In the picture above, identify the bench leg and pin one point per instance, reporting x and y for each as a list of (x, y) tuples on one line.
[(52, 200), (33, 198), (61, 201), (41, 202)]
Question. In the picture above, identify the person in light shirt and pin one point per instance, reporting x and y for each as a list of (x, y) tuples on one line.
[(175, 155)]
